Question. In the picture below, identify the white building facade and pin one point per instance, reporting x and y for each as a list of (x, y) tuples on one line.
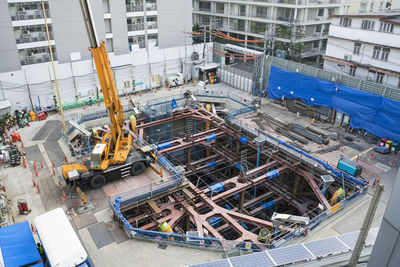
[(366, 46), (290, 21), (130, 28)]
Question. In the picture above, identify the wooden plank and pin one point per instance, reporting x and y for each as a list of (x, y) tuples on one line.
[(154, 207)]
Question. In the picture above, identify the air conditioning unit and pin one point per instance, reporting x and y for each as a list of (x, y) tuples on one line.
[(314, 50), (347, 57), (195, 56), (27, 38)]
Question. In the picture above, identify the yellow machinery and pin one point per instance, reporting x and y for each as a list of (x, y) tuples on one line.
[(112, 158)]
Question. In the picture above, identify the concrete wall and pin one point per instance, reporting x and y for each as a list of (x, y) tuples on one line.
[(174, 19), (69, 29), (8, 46), (386, 251)]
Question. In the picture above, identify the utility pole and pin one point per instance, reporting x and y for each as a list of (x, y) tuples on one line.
[(263, 63), (204, 43), (29, 91), (54, 71), (366, 225)]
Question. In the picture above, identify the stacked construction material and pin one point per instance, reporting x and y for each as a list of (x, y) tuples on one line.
[(15, 156)]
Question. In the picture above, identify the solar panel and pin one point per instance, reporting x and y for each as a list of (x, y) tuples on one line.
[(325, 246), (349, 239), (289, 254), (220, 263), (259, 259)]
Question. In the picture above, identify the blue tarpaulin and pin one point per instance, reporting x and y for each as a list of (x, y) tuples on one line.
[(373, 113), (174, 104), (18, 246)]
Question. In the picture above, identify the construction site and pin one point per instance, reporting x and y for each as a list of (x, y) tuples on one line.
[(243, 164)]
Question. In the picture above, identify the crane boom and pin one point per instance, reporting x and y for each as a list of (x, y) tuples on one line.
[(109, 90)]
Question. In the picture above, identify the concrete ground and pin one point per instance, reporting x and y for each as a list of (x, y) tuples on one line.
[(104, 240)]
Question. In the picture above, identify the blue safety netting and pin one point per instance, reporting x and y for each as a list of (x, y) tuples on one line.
[(18, 246), (373, 113)]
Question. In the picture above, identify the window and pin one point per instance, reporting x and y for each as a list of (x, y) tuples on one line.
[(320, 12), (371, 9), (363, 8), (107, 23), (352, 70), (386, 27), (385, 53), (379, 77), (367, 25), (371, 75), (357, 48), (345, 22), (318, 28), (220, 7), (106, 6), (377, 52), (331, 11), (242, 10), (110, 45)]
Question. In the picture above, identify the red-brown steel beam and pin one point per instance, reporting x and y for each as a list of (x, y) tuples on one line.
[(186, 113), (243, 186), (184, 144)]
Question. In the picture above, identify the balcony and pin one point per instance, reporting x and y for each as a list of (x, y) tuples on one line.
[(29, 14), (134, 8), (135, 27), (151, 25), (28, 59), (202, 9), (33, 37), (219, 11), (151, 6)]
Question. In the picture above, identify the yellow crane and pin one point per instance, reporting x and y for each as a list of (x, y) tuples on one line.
[(113, 157)]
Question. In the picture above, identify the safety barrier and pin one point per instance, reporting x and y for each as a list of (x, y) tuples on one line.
[(183, 239)]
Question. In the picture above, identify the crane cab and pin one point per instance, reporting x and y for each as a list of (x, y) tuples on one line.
[(98, 159)]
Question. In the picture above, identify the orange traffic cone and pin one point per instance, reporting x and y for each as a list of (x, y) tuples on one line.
[(33, 229), (98, 102), (376, 181), (64, 195), (41, 164), (34, 165), (83, 102), (24, 162), (391, 163), (36, 173), (38, 188), (22, 151)]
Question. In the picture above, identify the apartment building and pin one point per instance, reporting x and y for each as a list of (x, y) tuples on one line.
[(292, 21), (365, 6), (365, 46), (129, 28)]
